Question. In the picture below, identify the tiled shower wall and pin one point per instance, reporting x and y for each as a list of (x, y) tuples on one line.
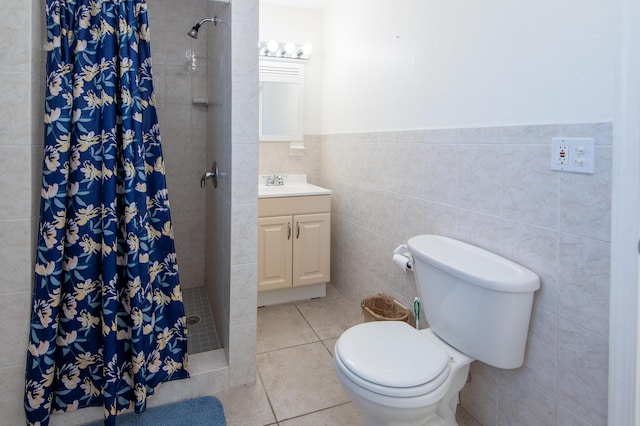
[(217, 226), (492, 187), (236, 149), (215, 229), (183, 125), (21, 143)]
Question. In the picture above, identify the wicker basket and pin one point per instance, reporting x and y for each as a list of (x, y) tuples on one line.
[(382, 307)]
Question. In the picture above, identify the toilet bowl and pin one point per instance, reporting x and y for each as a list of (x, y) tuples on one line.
[(398, 375), (478, 306)]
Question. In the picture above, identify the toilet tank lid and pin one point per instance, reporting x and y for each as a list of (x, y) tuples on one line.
[(473, 264)]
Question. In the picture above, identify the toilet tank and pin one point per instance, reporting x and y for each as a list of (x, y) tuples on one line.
[(476, 301)]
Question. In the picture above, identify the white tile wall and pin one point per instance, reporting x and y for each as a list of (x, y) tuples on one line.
[(15, 50), (218, 232), (275, 158), (243, 202), (492, 187), (21, 140)]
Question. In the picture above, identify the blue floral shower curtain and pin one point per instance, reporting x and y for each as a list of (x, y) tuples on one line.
[(107, 325)]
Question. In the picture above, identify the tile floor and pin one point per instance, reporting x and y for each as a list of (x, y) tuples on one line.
[(296, 384), (200, 326)]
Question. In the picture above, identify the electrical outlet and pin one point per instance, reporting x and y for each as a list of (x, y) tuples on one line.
[(561, 154), (572, 155)]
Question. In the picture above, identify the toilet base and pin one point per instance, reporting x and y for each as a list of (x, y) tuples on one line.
[(441, 413), (433, 420)]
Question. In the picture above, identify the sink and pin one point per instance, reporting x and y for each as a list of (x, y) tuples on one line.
[(285, 190), (294, 186)]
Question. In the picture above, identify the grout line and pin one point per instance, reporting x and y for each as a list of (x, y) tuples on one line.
[(266, 394), (307, 321), (266, 390), (318, 411), (289, 347)]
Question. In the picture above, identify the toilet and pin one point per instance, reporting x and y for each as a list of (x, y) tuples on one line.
[(477, 305)]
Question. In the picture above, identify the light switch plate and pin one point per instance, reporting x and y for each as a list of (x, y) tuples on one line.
[(572, 155)]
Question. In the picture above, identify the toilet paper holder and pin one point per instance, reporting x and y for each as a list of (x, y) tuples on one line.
[(402, 258)]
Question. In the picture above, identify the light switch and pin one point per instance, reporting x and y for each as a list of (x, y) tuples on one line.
[(572, 155)]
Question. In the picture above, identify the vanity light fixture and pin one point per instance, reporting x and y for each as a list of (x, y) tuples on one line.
[(305, 50), (269, 48), (289, 50)]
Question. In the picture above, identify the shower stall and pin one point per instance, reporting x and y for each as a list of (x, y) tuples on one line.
[(215, 230), (206, 91), (206, 98)]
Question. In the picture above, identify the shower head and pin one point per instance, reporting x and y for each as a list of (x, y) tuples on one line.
[(193, 32)]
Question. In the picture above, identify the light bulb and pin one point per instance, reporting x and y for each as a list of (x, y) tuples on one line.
[(272, 46), (289, 48), (307, 48)]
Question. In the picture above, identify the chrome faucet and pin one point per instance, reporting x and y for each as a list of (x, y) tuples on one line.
[(275, 180)]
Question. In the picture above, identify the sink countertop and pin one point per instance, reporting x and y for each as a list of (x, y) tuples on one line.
[(295, 185)]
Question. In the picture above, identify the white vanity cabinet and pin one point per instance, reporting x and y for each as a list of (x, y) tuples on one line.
[(293, 248)]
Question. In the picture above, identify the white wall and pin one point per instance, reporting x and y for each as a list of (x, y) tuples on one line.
[(466, 63), (496, 80)]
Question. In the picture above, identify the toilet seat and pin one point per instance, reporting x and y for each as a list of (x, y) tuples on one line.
[(391, 358)]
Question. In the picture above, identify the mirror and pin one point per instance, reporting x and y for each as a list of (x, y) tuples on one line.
[(281, 101)]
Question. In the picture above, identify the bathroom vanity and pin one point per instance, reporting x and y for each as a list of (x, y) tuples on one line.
[(294, 232)]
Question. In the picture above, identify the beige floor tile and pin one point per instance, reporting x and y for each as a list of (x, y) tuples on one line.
[(464, 418), (330, 344), (332, 315), (282, 326), (343, 415), (247, 405), (300, 380)]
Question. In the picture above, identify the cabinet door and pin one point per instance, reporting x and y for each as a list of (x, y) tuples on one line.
[(311, 248), (275, 236)]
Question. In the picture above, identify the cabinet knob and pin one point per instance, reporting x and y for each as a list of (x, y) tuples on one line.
[(297, 230)]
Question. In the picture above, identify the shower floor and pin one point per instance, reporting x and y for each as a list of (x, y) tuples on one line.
[(200, 325)]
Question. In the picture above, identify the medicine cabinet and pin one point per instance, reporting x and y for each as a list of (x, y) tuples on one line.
[(281, 100)]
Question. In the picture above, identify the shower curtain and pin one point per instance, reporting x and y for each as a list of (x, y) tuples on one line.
[(107, 323)]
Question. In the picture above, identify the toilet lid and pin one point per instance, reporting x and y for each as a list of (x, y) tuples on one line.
[(391, 354)]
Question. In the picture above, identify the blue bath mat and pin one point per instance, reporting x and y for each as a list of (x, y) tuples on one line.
[(203, 411)]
